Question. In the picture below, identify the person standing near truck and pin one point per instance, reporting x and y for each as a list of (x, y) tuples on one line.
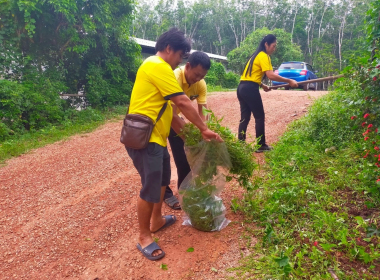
[(258, 65)]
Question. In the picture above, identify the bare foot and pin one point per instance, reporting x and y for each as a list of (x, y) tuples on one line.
[(156, 225), (145, 241)]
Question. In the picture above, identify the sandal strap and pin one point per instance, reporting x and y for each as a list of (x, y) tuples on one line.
[(172, 200), (151, 248)]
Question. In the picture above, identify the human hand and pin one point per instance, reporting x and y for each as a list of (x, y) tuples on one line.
[(293, 83), (209, 135), (265, 88)]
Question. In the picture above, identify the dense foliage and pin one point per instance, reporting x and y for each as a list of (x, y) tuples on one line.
[(319, 204), (328, 32), (241, 153), (217, 76), (52, 47), (202, 207), (199, 193)]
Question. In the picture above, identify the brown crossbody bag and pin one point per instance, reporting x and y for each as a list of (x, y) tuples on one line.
[(137, 129)]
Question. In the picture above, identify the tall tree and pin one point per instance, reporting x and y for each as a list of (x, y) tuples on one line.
[(221, 26)]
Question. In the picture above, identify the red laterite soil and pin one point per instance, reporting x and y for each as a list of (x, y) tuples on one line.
[(68, 210)]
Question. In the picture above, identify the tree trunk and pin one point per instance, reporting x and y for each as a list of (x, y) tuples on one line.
[(340, 39), (217, 27)]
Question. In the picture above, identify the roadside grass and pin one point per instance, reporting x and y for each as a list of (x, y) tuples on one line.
[(316, 211), (212, 88), (86, 121)]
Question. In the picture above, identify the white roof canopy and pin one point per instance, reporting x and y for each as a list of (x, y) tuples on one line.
[(152, 44)]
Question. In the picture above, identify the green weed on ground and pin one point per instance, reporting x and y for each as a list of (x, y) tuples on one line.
[(316, 211), (86, 121)]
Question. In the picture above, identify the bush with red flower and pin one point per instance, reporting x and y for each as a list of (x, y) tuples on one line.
[(366, 114)]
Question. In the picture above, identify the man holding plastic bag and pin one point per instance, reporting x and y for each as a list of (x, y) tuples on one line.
[(191, 79), (155, 85)]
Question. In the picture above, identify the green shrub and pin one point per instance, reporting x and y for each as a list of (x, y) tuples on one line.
[(217, 76), (4, 131), (231, 80), (36, 104), (29, 106)]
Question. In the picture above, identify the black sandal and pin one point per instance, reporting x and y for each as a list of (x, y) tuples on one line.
[(172, 201)]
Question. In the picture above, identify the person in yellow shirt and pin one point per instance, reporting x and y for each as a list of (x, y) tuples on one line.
[(190, 79), (258, 65), (154, 88)]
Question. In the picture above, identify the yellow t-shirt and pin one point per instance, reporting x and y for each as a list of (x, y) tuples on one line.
[(155, 84), (261, 64), (196, 91)]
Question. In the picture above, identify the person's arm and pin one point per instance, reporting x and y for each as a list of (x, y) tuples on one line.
[(202, 98), (274, 77), (177, 122), (265, 87), (187, 109), (200, 111)]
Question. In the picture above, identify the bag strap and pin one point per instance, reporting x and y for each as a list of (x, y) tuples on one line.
[(159, 114)]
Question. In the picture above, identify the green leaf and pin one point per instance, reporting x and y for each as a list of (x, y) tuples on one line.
[(164, 266), (205, 111), (360, 221), (214, 269), (364, 60), (282, 260), (346, 69), (372, 230), (287, 269), (269, 234), (191, 249), (327, 247)]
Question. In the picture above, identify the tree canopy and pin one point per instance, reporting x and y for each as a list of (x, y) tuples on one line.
[(54, 47), (286, 50), (322, 28), (80, 45)]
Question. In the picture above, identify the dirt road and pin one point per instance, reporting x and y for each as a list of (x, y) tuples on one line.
[(68, 210)]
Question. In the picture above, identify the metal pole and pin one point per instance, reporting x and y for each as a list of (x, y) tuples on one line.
[(310, 81)]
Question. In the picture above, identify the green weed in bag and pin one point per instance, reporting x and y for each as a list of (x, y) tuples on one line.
[(210, 164)]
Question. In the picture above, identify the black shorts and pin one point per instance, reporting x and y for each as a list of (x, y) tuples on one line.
[(153, 165)]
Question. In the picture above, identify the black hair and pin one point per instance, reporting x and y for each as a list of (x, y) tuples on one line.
[(270, 39), (175, 39), (199, 58)]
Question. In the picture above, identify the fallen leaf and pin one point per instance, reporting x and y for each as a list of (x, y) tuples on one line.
[(164, 266)]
